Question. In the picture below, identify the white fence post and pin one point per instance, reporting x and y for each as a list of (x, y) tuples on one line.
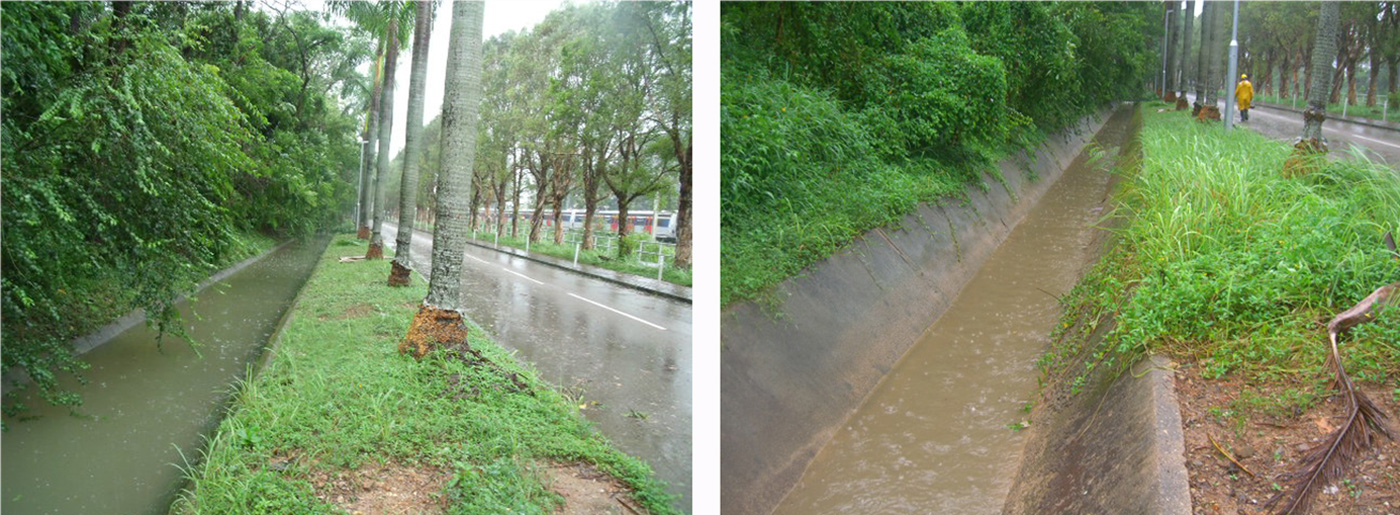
[(576, 247), (660, 263)]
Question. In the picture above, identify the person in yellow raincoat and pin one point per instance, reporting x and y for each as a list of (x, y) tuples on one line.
[(1244, 94)]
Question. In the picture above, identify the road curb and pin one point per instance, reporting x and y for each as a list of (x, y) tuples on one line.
[(680, 293), (1349, 119)]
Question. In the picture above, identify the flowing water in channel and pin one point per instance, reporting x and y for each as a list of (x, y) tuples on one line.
[(145, 405), (933, 436)]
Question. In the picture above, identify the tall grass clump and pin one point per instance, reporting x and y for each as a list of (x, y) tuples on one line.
[(1239, 267)]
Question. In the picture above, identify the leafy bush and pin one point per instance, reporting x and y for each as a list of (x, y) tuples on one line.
[(837, 117)]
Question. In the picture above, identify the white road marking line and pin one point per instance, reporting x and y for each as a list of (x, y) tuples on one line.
[(616, 311), (526, 277), (1338, 131), (478, 259)]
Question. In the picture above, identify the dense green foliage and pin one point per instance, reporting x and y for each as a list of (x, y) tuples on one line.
[(140, 140), (839, 117), (336, 395), (1224, 263)]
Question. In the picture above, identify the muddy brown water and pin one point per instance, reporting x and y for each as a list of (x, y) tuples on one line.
[(144, 406), (933, 437)]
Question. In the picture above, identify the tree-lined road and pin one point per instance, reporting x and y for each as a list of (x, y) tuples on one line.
[(625, 349)]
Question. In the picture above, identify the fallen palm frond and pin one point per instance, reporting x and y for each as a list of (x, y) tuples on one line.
[(1327, 462), (1228, 456)]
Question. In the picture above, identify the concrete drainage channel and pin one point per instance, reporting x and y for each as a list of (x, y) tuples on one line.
[(840, 395)]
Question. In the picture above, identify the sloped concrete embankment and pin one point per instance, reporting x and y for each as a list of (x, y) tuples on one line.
[(1105, 439), (792, 372)]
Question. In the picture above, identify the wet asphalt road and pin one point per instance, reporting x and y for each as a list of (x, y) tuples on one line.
[(1378, 144), (627, 350)]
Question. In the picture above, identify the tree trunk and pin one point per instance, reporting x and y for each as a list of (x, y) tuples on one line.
[(1351, 82), (1373, 82), (622, 229), (1217, 71), (682, 259), (589, 209), (1173, 11), (515, 204), (1187, 70), (371, 151), (386, 132), (413, 137), (558, 227), (461, 99), (1203, 56), (1324, 49)]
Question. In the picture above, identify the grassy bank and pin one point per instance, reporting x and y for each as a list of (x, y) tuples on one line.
[(1361, 111), (336, 397), (1229, 267)]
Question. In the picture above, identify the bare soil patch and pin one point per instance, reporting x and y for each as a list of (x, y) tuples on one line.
[(587, 491), (355, 311), (389, 489), (1272, 445)]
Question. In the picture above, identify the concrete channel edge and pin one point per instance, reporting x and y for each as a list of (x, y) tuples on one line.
[(793, 371)]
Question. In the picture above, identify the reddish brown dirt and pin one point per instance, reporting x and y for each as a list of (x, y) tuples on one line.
[(400, 489), (431, 328), (354, 311), (399, 275), (1270, 445), (376, 251), (389, 489), (1182, 104), (363, 233), (1210, 113), (1306, 158), (1169, 97), (587, 491)]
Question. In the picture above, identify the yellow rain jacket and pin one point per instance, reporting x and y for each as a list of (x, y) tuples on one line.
[(1244, 94)]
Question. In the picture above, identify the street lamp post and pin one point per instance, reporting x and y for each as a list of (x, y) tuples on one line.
[(1234, 66)]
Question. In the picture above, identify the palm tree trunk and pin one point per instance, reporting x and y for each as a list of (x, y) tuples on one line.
[(1183, 57), (386, 133), (413, 142), (367, 195), (1203, 56), (1324, 49), (439, 321)]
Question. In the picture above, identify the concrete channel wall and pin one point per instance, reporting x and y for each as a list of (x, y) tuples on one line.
[(794, 368)]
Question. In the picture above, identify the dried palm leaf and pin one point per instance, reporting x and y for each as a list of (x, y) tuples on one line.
[(1365, 421)]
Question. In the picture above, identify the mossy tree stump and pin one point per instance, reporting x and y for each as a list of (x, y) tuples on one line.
[(433, 328)]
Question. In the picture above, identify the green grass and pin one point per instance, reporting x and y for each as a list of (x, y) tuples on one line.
[(1360, 110), (1223, 263), (335, 395)]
